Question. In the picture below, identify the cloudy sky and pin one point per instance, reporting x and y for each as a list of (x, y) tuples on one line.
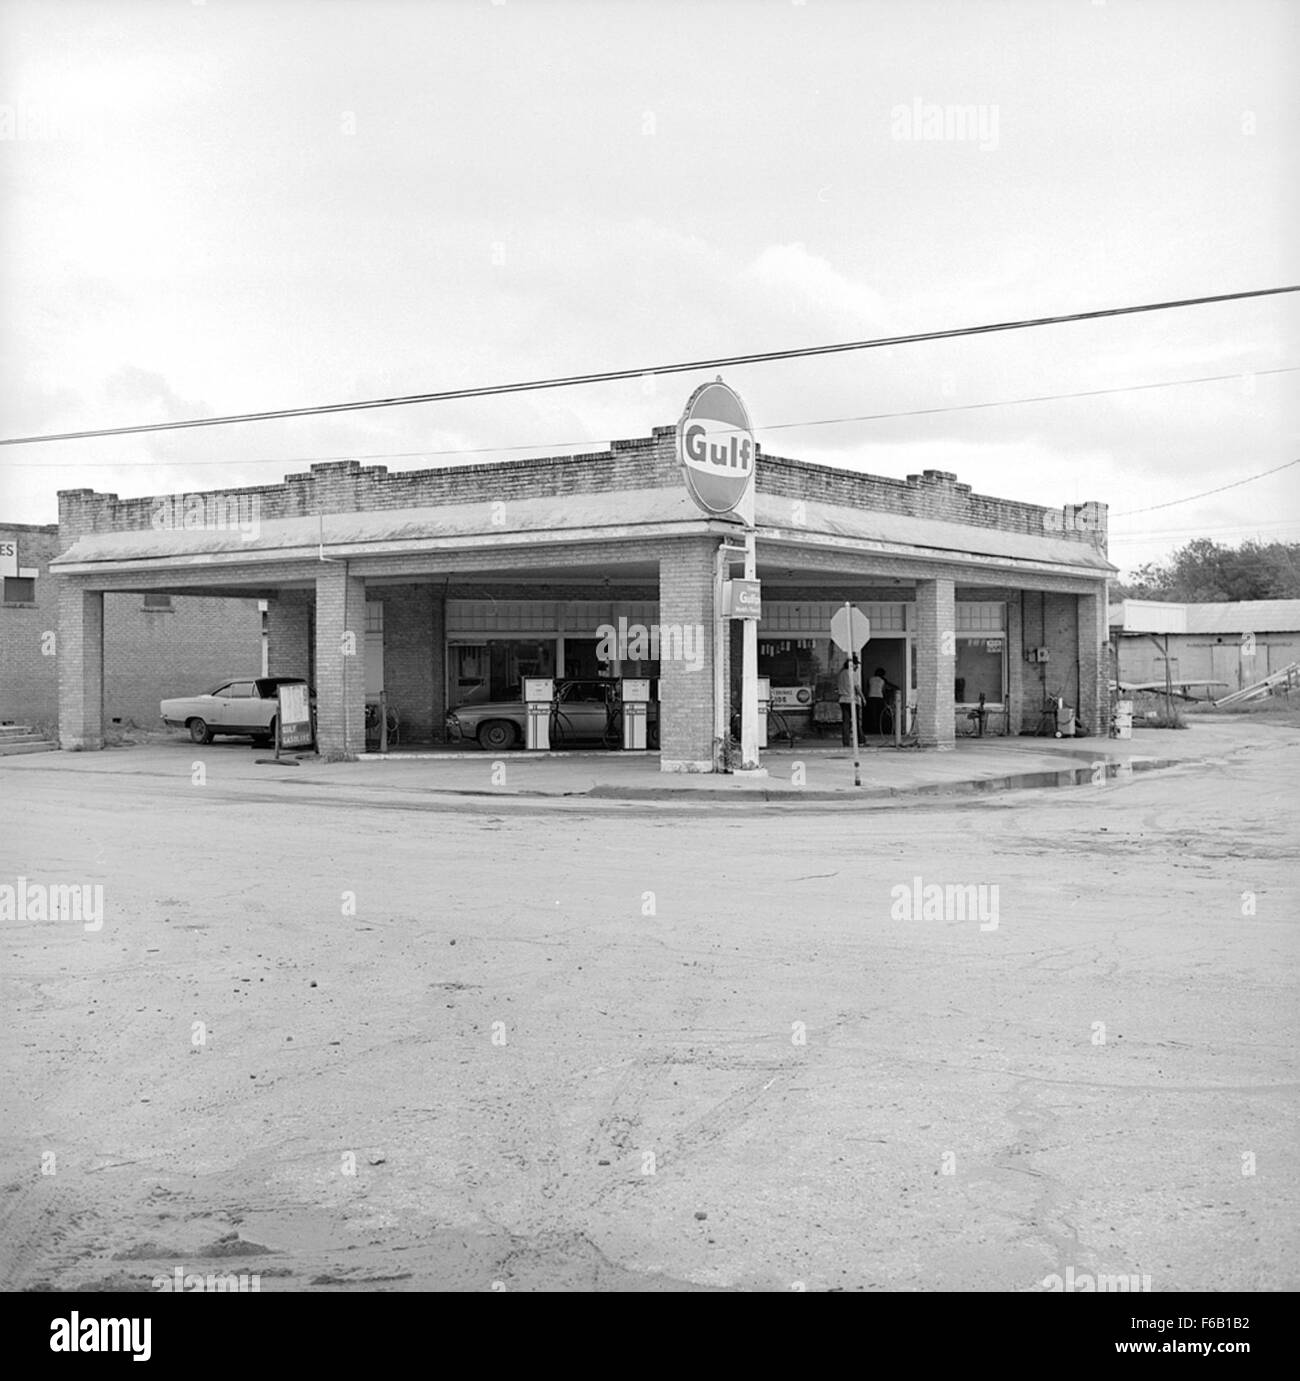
[(231, 205)]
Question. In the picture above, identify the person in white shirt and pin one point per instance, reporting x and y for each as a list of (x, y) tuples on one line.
[(877, 686), (850, 701)]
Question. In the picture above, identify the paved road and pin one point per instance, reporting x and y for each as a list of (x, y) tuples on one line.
[(629, 1049)]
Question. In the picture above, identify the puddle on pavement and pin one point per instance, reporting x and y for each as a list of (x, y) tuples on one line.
[(1094, 774)]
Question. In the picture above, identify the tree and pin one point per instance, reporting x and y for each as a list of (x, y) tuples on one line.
[(1205, 572)]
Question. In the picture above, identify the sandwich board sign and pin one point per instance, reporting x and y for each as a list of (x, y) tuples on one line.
[(293, 715), (717, 451)]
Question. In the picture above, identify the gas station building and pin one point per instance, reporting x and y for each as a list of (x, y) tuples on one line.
[(437, 585)]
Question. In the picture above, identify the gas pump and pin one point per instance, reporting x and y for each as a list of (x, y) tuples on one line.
[(539, 696), (764, 705), (635, 694)]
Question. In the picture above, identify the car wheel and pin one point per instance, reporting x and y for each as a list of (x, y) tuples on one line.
[(199, 731), (496, 735)]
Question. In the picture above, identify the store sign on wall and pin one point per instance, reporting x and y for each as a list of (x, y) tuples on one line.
[(717, 451), (9, 561)]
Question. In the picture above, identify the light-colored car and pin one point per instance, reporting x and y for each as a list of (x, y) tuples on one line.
[(246, 708), (585, 712)]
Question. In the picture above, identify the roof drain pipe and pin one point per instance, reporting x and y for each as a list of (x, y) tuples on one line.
[(320, 544)]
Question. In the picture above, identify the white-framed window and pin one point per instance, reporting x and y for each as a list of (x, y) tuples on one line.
[(814, 616), (981, 616), (981, 665), (374, 646)]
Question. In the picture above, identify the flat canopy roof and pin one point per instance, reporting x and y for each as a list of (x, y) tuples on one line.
[(562, 520)]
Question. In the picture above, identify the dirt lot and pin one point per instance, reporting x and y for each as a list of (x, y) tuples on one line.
[(462, 1045)]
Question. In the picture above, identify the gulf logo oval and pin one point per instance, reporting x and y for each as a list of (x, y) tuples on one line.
[(715, 444)]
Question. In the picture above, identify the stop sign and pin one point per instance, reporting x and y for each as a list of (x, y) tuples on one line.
[(850, 628)]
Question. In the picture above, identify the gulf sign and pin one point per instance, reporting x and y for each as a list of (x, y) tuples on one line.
[(715, 444)]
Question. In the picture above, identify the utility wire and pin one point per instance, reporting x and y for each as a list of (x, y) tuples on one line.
[(1191, 498), (594, 441), (1015, 402), (606, 376)]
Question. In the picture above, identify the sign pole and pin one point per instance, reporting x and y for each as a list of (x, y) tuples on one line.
[(853, 720), (851, 632), (749, 669), (718, 455), (721, 644)]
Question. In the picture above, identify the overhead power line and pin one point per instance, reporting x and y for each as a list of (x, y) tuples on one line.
[(602, 441), (607, 376), (1039, 398), (1191, 498), (1258, 529)]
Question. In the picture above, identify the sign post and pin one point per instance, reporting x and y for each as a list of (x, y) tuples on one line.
[(851, 631), (718, 454)]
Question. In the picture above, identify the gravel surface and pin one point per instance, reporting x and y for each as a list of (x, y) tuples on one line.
[(348, 1036)]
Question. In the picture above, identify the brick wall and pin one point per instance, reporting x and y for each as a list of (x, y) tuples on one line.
[(152, 655), (81, 682), (289, 618), (640, 463), (29, 680), (936, 663), (340, 678), (410, 615), (685, 693), (148, 654)]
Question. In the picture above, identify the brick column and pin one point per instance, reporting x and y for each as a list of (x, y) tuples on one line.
[(936, 662), (80, 650), (287, 619), (340, 663), (409, 618), (1094, 694), (1016, 688), (438, 646), (686, 686)]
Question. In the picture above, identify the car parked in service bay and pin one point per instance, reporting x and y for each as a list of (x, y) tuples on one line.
[(586, 712), (244, 708)]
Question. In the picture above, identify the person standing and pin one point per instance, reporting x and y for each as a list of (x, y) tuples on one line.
[(877, 684), (850, 700)]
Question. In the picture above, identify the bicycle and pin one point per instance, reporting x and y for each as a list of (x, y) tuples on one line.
[(560, 728), (373, 728), (778, 727), (887, 720)]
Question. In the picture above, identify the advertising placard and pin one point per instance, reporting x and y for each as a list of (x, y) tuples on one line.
[(294, 714)]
